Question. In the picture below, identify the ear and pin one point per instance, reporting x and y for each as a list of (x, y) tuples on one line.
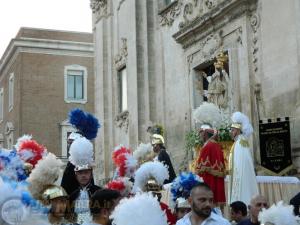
[(190, 200), (105, 213)]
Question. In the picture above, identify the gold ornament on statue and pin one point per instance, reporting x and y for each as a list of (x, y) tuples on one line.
[(221, 60)]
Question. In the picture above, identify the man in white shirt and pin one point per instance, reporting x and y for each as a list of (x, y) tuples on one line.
[(201, 201)]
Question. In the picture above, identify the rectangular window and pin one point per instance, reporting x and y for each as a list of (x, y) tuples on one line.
[(122, 77), (1, 104), (75, 90), (11, 92)]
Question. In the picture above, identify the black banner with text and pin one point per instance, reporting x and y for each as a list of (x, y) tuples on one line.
[(275, 146)]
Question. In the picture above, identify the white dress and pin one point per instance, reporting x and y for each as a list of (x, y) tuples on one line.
[(242, 184)]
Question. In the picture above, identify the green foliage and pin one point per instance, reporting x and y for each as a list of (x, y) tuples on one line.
[(224, 133), (192, 140)]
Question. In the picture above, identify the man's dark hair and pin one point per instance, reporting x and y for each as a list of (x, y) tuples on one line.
[(103, 199), (239, 206), (200, 185)]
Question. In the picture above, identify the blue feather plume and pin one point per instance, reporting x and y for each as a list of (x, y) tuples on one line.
[(183, 184), (11, 165), (84, 122), (12, 188)]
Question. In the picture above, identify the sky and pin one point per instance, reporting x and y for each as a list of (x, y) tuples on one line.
[(70, 15)]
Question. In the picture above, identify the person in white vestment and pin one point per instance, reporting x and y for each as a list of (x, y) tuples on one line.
[(242, 184)]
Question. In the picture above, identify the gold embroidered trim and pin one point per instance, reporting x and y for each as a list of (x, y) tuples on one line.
[(203, 166), (244, 143)]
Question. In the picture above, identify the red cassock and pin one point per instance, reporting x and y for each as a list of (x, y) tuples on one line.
[(211, 167)]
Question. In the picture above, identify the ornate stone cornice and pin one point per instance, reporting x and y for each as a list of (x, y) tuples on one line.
[(99, 8), (209, 48), (170, 13), (122, 120), (192, 29), (121, 58)]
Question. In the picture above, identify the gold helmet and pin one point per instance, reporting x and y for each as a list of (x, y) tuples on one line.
[(153, 186), (236, 125), (157, 139), (52, 192)]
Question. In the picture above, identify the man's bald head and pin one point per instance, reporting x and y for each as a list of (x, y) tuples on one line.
[(258, 199), (257, 203)]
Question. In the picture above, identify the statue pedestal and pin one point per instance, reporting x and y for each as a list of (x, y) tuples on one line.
[(226, 147), (193, 163)]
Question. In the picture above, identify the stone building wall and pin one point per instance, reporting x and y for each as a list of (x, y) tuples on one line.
[(165, 48)]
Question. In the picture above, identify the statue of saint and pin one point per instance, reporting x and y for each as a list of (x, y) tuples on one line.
[(217, 91)]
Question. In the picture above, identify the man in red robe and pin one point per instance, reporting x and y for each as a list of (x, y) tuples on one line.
[(211, 164)]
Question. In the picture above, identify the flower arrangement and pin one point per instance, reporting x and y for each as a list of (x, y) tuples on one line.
[(192, 140), (208, 113)]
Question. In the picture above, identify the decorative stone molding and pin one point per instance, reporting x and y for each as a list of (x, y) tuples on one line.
[(255, 22), (121, 58), (208, 49), (239, 33), (9, 128), (193, 10), (208, 17), (122, 120), (210, 3), (120, 3), (170, 13), (99, 8)]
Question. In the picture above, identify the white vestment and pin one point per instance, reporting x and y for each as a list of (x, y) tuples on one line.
[(242, 184)]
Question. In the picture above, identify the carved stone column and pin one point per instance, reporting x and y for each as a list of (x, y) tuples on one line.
[(99, 8)]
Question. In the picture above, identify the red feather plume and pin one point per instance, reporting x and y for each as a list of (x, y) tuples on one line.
[(117, 155), (122, 164), (117, 185), (34, 148)]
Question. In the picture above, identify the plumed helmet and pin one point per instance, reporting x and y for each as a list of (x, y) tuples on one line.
[(81, 154), (157, 139), (241, 121)]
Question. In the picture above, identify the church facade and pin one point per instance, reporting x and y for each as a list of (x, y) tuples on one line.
[(155, 63)]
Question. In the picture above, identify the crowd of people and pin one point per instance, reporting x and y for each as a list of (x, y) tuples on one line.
[(30, 192)]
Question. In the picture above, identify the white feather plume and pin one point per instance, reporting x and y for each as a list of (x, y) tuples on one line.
[(13, 208), (142, 150), (45, 173), (279, 214), (208, 113), (148, 170), (25, 137), (142, 209), (81, 152), (131, 164), (242, 119)]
